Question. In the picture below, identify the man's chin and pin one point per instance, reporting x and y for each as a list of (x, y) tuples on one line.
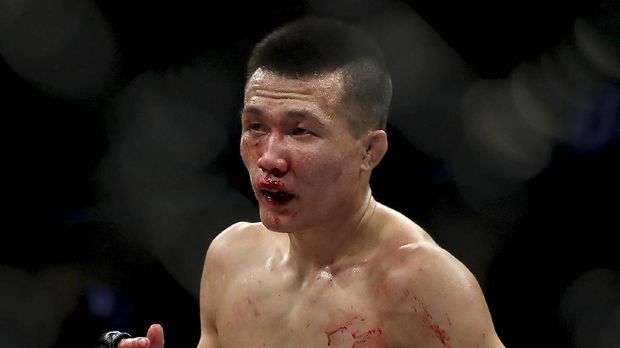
[(276, 222), (276, 218)]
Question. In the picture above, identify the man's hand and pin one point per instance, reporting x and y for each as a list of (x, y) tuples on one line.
[(154, 339)]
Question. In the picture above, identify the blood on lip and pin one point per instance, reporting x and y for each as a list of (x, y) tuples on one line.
[(274, 191), (271, 184)]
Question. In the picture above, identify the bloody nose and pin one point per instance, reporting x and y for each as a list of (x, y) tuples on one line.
[(276, 167), (273, 160)]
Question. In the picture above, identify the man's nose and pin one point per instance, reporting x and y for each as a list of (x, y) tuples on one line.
[(273, 159)]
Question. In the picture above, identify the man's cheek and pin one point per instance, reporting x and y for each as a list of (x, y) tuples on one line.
[(245, 148)]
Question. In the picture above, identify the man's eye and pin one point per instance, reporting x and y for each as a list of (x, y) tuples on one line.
[(255, 126), (301, 131)]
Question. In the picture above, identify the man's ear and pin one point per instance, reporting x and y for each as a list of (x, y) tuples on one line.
[(376, 146)]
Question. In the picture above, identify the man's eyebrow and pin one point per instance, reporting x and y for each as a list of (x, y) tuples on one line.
[(250, 110), (305, 114), (301, 113), (294, 113)]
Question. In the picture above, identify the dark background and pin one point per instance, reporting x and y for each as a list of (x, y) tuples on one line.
[(106, 220)]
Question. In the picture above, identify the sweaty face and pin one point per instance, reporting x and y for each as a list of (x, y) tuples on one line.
[(303, 161)]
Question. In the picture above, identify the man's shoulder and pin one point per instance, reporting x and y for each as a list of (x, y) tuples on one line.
[(423, 277), (420, 262), (409, 246), (406, 256), (431, 273), (238, 231), (237, 238)]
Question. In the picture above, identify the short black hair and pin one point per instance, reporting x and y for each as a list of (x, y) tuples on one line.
[(312, 46)]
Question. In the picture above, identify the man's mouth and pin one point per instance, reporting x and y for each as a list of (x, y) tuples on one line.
[(277, 197), (274, 191)]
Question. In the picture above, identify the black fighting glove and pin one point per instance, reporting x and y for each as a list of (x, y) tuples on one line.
[(111, 339)]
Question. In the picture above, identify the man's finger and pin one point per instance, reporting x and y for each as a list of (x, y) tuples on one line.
[(138, 342), (156, 336)]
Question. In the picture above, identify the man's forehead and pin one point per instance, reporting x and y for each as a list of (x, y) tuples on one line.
[(318, 95), (325, 83)]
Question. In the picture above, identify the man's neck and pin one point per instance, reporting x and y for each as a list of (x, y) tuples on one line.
[(327, 249)]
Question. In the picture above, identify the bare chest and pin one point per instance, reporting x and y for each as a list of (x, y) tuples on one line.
[(259, 311)]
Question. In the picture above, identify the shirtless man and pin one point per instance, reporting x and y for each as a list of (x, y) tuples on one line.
[(328, 265)]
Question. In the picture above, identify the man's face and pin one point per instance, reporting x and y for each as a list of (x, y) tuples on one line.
[(303, 161)]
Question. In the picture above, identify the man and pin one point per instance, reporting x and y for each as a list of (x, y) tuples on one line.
[(327, 266)]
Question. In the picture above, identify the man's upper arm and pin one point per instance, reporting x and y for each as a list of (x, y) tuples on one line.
[(450, 301), (211, 284)]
